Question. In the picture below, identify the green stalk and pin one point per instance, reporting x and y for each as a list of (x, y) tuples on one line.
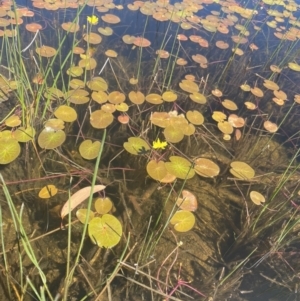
[(23, 236), (6, 265), (69, 276)]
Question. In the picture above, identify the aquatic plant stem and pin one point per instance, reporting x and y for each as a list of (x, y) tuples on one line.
[(70, 275)]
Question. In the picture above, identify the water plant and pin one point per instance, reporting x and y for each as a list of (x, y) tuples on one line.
[(193, 109)]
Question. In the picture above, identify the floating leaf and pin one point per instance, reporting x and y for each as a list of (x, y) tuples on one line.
[(180, 167), (198, 98), (157, 170), (103, 205), (54, 124), (100, 119), (75, 71), (173, 134), (13, 121), (188, 201), (105, 231), (257, 92), (270, 126), (82, 213), (188, 86), (48, 191), (46, 51), (136, 97), (169, 96), (294, 66), (92, 38), (257, 198), (242, 170), (160, 119), (100, 96), (65, 113), (135, 145), (183, 221), (89, 150), (9, 150), (50, 139), (154, 98), (229, 104), (24, 134), (78, 197), (218, 116), (195, 117), (225, 127), (78, 96), (206, 168), (97, 84), (116, 97)]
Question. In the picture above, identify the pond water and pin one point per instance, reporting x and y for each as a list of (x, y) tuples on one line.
[(182, 118)]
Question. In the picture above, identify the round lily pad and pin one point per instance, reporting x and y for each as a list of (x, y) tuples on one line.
[(242, 170), (9, 150), (136, 145), (256, 197), (195, 117), (180, 167), (49, 139), (65, 113), (13, 121), (48, 191), (206, 168), (183, 220), (100, 119), (75, 71), (82, 213), (105, 231), (24, 134), (198, 98), (173, 134), (187, 201), (103, 205), (136, 97), (157, 170), (89, 150), (46, 51)]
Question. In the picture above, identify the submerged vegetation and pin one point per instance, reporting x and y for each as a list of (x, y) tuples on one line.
[(149, 149)]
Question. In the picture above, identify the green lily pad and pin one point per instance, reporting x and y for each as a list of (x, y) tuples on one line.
[(24, 134), (173, 134), (183, 221), (136, 145), (157, 170), (65, 113), (180, 167), (97, 84), (100, 119), (9, 150), (82, 213), (195, 117), (242, 170), (257, 198), (89, 150), (48, 191), (294, 66), (78, 96), (103, 205), (105, 231), (75, 71), (50, 139)]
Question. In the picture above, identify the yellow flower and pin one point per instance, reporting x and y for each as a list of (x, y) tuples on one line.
[(159, 144), (92, 20)]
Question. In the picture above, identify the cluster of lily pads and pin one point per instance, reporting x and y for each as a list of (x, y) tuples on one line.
[(179, 107)]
